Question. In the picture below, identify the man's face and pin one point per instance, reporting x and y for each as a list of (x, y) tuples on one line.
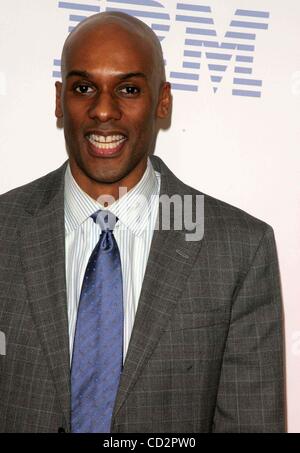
[(110, 99)]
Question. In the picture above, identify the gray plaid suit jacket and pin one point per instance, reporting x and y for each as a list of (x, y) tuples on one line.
[(206, 352)]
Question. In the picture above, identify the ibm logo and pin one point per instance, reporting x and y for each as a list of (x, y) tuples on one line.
[(199, 40)]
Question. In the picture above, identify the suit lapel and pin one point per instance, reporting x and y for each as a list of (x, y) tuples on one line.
[(42, 248), (169, 265)]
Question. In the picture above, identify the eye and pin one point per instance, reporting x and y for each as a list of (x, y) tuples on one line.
[(83, 88), (129, 90)]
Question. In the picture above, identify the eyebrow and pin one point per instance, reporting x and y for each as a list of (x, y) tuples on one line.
[(130, 75), (87, 75)]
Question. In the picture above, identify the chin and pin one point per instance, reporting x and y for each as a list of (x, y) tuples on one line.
[(107, 177)]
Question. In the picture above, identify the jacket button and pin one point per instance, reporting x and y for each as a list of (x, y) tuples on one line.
[(61, 430)]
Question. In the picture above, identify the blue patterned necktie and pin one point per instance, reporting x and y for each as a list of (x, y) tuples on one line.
[(98, 345)]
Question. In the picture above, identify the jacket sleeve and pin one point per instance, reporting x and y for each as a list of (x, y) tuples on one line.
[(251, 387)]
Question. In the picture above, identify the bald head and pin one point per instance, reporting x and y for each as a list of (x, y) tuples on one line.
[(112, 95), (113, 22)]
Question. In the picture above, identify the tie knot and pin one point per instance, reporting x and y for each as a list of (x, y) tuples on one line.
[(105, 219)]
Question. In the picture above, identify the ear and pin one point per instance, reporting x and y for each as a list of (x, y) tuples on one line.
[(164, 103), (58, 107)]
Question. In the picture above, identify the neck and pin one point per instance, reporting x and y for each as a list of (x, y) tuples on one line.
[(107, 193)]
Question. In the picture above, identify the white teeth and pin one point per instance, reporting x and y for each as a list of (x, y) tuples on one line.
[(109, 142), (108, 139)]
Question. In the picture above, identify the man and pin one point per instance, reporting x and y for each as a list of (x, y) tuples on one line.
[(190, 337)]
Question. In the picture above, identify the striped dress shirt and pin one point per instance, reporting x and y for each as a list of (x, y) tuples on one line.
[(137, 212)]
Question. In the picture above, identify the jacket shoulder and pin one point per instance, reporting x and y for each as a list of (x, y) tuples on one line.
[(234, 218), (21, 196), (222, 221)]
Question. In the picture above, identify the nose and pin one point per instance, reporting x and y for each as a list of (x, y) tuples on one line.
[(105, 108)]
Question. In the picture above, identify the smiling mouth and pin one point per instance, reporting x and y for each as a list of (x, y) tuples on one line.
[(106, 143)]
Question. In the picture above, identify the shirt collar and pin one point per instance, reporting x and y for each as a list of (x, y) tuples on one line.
[(133, 209)]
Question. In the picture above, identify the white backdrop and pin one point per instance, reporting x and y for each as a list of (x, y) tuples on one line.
[(240, 148)]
